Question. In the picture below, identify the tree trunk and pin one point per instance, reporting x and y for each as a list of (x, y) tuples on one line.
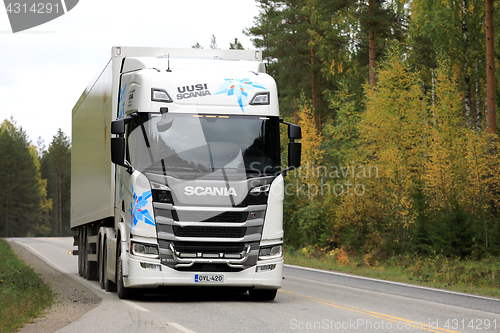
[(295, 107), (465, 35), (490, 69), (433, 89), (295, 111), (6, 220), (60, 204), (313, 75), (477, 106), (371, 44), (56, 204)]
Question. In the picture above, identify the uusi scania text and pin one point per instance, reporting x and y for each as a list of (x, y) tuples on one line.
[(170, 189)]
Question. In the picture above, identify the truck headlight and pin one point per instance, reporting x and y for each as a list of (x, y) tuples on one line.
[(261, 189), (260, 99), (144, 250), (161, 193), (271, 252)]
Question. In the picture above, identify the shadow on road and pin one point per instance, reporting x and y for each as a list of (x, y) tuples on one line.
[(192, 294)]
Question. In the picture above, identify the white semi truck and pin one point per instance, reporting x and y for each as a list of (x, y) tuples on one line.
[(176, 176)]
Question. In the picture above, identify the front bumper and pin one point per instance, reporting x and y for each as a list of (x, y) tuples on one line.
[(139, 277)]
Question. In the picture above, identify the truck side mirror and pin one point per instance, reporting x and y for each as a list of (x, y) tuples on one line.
[(118, 126), (294, 132), (294, 152), (294, 148), (118, 143), (118, 150)]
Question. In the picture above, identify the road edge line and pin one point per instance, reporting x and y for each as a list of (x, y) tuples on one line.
[(392, 282)]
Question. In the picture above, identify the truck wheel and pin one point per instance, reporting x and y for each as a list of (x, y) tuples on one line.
[(90, 266), (108, 285), (123, 293), (84, 253), (262, 294), (80, 252)]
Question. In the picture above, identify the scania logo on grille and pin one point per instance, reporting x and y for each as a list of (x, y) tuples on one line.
[(221, 191)]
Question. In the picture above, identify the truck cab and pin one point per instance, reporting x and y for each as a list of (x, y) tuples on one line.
[(198, 181)]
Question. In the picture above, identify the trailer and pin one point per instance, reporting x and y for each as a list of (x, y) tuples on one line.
[(176, 175)]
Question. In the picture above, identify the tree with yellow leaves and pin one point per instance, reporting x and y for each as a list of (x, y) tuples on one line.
[(392, 138)]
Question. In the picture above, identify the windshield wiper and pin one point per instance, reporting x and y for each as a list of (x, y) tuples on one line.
[(252, 172), (175, 167)]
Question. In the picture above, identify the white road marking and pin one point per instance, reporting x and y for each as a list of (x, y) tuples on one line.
[(181, 328), (138, 307), (392, 282), (44, 258)]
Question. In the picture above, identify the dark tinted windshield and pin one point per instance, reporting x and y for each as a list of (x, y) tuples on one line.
[(178, 144)]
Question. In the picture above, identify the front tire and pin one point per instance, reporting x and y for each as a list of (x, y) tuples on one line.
[(101, 266), (123, 293), (108, 284)]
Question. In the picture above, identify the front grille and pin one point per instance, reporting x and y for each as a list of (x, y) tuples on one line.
[(207, 247), (218, 232), (210, 216), (219, 268)]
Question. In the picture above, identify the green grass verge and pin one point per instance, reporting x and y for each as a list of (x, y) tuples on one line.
[(23, 294), (469, 276)]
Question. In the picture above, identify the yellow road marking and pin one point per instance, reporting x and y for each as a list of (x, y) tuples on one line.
[(374, 314)]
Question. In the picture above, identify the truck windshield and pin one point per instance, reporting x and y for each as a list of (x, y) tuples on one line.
[(199, 144)]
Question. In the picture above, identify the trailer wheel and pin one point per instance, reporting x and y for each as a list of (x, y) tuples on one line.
[(84, 254), (262, 294), (123, 293), (90, 271), (80, 252), (101, 264)]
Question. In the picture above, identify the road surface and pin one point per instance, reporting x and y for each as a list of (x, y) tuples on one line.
[(309, 301)]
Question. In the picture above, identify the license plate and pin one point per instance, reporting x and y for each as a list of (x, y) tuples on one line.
[(214, 278)]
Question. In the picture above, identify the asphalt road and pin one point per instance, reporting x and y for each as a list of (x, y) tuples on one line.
[(309, 301)]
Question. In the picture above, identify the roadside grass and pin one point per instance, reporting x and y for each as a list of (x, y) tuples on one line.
[(23, 294), (462, 275)]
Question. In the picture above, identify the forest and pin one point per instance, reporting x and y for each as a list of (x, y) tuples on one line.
[(35, 181), (398, 116), (397, 103)]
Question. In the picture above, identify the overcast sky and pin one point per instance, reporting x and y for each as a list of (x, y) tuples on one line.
[(44, 70)]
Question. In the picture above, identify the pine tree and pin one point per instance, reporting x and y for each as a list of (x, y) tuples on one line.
[(282, 30), (236, 45), (213, 42), (22, 190), (196, 46), (56, 164)]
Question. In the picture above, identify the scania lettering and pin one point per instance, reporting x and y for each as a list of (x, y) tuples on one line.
[(222, 191), (176, 175), (193, 94)]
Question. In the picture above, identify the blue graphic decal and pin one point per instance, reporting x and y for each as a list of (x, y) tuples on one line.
[(121, 102), (238, 88), (138, 209)]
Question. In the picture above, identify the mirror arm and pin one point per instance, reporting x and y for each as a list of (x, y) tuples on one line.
[(129, 167), (284, 172)]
